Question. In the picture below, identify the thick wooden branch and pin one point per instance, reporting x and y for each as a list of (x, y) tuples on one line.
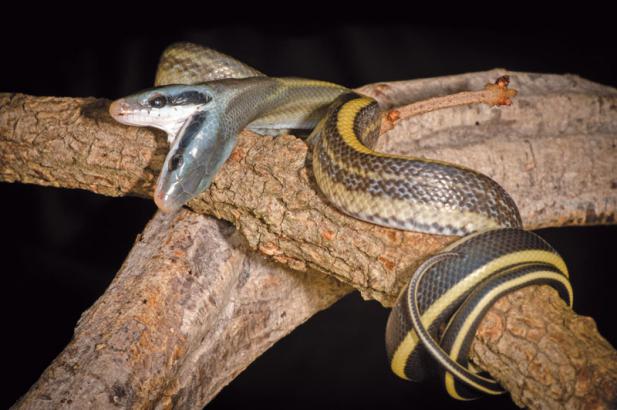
[(532, 148), (553, 150), (187, 312), (546, 355)]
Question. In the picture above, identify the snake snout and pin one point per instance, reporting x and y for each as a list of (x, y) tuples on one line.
[(165, 203), (119, 108)]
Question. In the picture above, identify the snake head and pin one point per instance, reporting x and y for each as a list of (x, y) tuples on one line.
[(201, 148), (188, 115), (200, 131), (166, 108)]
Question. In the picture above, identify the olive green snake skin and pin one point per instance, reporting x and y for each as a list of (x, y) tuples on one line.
[(204, 98)]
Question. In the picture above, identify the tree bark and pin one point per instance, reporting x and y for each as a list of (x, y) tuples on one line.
[(544, 354), (189, 310), (553, 150), (533, 149)]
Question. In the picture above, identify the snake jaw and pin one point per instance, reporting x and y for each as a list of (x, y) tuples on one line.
[(132, 114), (165, 108)]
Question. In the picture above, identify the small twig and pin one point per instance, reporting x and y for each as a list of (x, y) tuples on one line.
[(493, 94)]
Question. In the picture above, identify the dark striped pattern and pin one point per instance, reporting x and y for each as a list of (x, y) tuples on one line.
[(414, 180)]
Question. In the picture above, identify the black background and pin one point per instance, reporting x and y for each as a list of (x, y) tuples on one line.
[(60, 248)]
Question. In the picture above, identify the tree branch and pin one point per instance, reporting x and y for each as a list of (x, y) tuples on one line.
[(553, 150), (532, 148), (187, 312), (544, 354)]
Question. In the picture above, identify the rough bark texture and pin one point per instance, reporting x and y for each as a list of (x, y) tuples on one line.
[(532, 148), (546, 355), (187, 312), (553, 150)]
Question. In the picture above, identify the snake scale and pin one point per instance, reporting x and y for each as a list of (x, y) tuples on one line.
[(202, 99)]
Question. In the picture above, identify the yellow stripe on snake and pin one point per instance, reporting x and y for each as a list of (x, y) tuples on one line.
[(203, 99)]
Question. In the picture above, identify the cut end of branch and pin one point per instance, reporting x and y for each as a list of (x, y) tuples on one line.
[(499, 93)]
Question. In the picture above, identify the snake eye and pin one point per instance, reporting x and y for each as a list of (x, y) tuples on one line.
[(175, 162), (157, 101)]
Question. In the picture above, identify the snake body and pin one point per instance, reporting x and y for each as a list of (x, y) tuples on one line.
[(400, 192), (203, 99)]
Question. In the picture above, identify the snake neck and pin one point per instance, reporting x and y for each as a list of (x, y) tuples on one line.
[(268, 103)]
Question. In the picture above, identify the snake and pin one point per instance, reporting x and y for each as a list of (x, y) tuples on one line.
[(203, 98)]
